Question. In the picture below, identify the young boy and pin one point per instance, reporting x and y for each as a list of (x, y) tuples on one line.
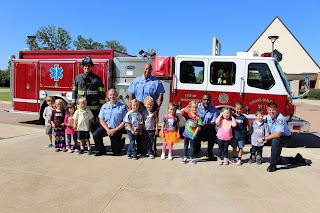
[(82, 123), (47, 117), (133, 121), (150, 127), (259, 129), (240, 132)]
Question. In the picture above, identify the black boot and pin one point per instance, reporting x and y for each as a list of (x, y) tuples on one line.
[(272, 168)]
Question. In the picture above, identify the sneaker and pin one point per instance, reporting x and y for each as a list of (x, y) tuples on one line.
[(251, 160), (64, 149), (163, 156), (151, 156), (89, 152), (57, 150), (129, 156), (233, 160), (272, 168), (134, 157), (219, 161), (193, 161), (70, 151), (49, 145), (225, 161), (170, 157), (259, 160), (184, 161), (239, 162), (80, 152), (76, 150)]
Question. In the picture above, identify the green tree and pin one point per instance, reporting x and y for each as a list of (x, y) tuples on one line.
[(199, 77), (87, 44), (5, 77), (51, 38), (115, 45)]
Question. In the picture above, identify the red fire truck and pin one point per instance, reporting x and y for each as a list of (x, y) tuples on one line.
[(253, 80)]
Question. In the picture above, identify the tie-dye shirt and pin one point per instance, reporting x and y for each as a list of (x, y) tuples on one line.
[(191, 124)]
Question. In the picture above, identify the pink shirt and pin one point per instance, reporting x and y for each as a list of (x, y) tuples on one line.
[(69, 121), (225, 130)]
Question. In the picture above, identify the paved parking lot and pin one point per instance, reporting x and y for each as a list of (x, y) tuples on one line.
[(37, 179)]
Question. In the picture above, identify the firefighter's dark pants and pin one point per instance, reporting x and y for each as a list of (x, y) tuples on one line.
[(276, 147), (205, 135), (117, 143)]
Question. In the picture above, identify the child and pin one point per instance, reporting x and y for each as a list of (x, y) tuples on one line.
[(193, 120), (240, 133), (47, 117), (170, 130), (133, 121), (57, 118), (259, 129), (150, 127), (225, 121), (82, 123), (68, 121)]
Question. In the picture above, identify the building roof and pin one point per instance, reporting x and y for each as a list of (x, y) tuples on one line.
[(274, 20)]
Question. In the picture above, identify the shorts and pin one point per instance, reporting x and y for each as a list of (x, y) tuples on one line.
[(237, 142), (48, 130), (82, 135)]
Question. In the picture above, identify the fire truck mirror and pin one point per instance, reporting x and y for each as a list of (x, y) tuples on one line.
[(179, 106), (247, 110)]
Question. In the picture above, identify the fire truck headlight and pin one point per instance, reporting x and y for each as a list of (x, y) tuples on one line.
[(69, 96)]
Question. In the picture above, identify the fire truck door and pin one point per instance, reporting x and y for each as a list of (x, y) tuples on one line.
[(25, 97), (225, 81), (191, 78)]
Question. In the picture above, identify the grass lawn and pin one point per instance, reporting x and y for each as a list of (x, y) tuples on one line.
[(5, 96), (4, 88)]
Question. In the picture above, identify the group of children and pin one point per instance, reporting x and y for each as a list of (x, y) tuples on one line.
[(74, 123), (232, 130)]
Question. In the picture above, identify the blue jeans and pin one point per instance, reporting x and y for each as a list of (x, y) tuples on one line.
[(132, 150), (186, 144), (223, 147)]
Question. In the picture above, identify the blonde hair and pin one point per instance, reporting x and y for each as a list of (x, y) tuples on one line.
[(49, 98), (148, 99), (228, 109), (58, 101), (82, 99), (135, 101), (193, 103)]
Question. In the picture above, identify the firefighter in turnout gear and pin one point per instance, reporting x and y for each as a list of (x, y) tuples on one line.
[(90, 86)]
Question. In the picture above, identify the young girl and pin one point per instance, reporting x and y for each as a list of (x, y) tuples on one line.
[(170, 130), (68, 121), (225, 121), (193, 120), (134, 122), (57, 119)]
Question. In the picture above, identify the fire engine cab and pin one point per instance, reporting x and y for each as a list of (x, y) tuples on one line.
[(255, 81)]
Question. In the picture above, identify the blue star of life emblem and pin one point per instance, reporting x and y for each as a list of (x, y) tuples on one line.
[(56, 72)]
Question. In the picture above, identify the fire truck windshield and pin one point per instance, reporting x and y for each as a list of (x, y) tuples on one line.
[(283, 77)]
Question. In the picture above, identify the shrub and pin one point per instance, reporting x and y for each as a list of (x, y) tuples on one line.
[(314, 94)]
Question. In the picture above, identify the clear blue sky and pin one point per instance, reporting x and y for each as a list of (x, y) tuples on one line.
[(171, 27)]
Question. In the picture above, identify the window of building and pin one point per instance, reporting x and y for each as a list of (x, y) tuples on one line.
[(222, 73), (192, 72), (260, 76)]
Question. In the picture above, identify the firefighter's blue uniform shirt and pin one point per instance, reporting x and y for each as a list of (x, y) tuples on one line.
[(207, 116), (113, 115), (142, 87), (279, 124)]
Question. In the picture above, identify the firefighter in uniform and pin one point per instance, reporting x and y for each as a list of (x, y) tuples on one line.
[(90, 86), (280, 135), (208, 114)]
